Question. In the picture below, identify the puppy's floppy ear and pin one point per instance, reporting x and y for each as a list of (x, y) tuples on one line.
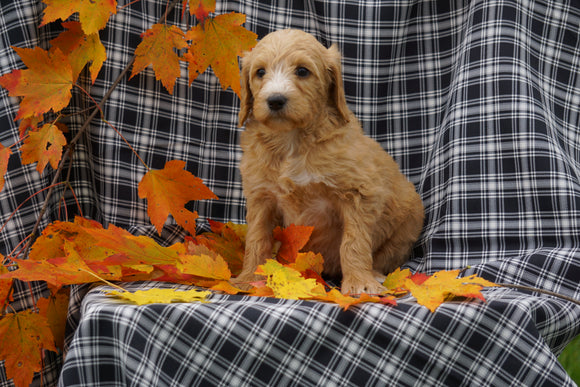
[(336, 92), (246, 98)]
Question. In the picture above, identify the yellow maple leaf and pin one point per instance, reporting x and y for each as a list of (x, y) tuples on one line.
[(445, 284), (287, 282), (161, 296), (396, 279)]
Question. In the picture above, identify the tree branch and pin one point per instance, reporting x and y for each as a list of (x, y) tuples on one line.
[(68, 152)]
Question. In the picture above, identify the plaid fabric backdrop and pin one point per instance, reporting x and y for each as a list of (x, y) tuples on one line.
[(479, 103)]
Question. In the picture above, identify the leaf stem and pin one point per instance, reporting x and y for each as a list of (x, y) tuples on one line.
[(102, 279)]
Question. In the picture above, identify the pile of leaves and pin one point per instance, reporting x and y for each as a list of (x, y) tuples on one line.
[(83, 251)]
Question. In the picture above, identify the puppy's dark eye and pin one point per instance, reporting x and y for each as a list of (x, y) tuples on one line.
[(302, 72), (260, 73)]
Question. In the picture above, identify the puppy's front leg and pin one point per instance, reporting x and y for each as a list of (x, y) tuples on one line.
[(261, 218), (356, 254)]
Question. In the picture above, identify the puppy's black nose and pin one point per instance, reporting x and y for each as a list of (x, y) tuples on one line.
[(276, 102)]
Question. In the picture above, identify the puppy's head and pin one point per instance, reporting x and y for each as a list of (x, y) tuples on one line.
[(288, 78)]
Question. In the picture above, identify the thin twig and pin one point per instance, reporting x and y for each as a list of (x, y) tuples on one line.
[(67, 154), (537, 290)]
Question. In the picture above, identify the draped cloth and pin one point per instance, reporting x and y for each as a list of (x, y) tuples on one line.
[(477, 101)]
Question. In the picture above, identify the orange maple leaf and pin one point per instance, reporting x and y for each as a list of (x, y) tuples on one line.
[(346, 301), (5, 284), (214, 267), (157, 50), (200, 8), (227, 240), (57, 272), (218, 42), (168, 190), (24, 336), (43, 146), (293, 239), (445, 284), (5, 154), (46, 84), (93, 14), (50, 244), (81, 49), (55, 309)]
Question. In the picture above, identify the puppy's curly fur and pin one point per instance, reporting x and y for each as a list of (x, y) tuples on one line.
[(306, 161)]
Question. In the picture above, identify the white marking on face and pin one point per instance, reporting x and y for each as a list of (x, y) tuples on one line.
[(278, 82)]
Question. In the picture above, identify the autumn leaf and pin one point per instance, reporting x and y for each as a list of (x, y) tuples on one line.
[(43, 146), (287, 282), (57, 272), (227, 240), (396, 279), (45, 85), (226, 287), (132, 251), (5, 154), (345, 301), (444, 284), (55, 309), (206, 266), (24, 336), (161, 296), (201, 8), (93, 14), (5, 284), (157, 50), (217, 43), (27, 123), (81, 49), (168, 190), (293, 239), (50, 244)]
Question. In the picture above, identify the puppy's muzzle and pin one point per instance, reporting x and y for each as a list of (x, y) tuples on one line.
[(277, 102)]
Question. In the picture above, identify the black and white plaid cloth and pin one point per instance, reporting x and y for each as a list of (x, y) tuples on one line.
[(478, 101)]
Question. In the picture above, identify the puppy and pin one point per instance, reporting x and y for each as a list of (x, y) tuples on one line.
[(306, 161)]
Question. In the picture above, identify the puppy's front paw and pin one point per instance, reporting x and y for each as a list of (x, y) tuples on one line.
[(357, 285), (244, 281)]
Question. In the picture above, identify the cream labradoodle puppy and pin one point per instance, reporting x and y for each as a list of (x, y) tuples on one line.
[(306, 161)]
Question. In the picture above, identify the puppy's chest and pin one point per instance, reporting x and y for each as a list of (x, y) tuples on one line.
[(305, 196)]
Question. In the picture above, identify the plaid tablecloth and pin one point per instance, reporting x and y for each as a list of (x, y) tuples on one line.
[(479, 103)]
